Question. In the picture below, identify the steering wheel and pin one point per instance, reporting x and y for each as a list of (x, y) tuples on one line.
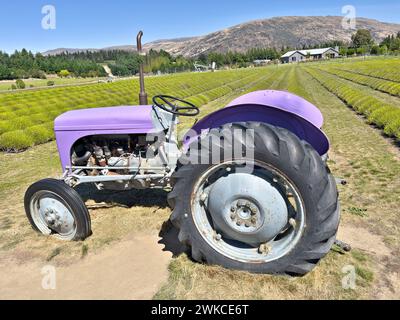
[(169, 104)]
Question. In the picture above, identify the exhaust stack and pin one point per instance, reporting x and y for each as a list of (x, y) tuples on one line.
[(143, 100)]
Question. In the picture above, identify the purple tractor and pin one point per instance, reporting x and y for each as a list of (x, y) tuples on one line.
[(250, 188)]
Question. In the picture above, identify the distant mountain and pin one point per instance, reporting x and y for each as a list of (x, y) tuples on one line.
[(70, 50), (277, 32)]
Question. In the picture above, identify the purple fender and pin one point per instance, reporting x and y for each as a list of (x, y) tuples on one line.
[(278, 108)]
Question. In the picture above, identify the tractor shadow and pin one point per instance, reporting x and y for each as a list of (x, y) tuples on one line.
[(125, 199), (149, 198), (169, 238)]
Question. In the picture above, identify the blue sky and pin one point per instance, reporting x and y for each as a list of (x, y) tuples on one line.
[(99, 23)]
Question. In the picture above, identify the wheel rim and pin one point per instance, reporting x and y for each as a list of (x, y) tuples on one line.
[(251, 218), (52, 215)]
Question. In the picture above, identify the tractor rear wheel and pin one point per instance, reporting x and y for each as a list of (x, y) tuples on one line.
[(275, 213), (53, 208)]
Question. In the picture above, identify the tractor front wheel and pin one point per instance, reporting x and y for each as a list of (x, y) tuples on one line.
[(53, 208), (275, 213)]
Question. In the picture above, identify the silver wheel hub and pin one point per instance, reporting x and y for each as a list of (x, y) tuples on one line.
[(52, 215), (247, 208), (52, 218), (249, 217), (245, 213)]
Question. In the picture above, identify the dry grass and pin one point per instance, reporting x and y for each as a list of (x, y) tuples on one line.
[(194, 281)]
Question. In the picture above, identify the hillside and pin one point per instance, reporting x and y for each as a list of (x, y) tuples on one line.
[(275, 32), (77, 50)]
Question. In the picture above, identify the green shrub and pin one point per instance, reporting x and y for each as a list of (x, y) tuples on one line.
[(50, 126), (20, 84), (6, 115), (368, 106), (40, 133), (21, 123), (39, 74), (384, 115), (40, 118), (15, 141), (64, 73), (374, 117), (393, 127), (5, 126)]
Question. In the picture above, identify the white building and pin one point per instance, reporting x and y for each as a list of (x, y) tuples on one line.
[(311, 54)]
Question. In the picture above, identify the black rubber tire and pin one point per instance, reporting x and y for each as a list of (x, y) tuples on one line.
[(71, 199), (302, 165)]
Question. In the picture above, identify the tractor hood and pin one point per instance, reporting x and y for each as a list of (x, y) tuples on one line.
[(115, 118), (74, 125)]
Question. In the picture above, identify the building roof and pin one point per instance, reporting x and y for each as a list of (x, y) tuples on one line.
[(312, 52), (262, 61), (290, 53)]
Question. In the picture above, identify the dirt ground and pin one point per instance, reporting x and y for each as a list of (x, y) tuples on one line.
[(363, 240), (137, 266), (134, 268)]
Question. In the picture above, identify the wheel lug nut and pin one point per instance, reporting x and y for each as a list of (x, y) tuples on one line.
[(264, 249), (203, 197), (233, 209)]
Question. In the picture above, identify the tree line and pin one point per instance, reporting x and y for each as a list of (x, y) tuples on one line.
[(363, 43), (24, 64)]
